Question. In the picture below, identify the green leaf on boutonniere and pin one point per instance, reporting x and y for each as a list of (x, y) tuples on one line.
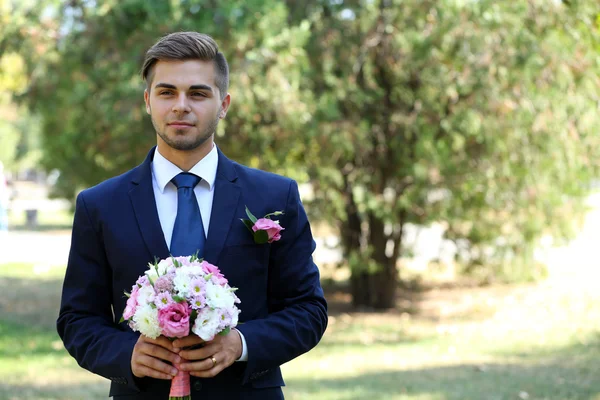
[(248, 224), (275, 214), (261, 237), (122, 320), (251, 216)]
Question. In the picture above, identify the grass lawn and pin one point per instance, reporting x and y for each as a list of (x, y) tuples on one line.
[(517, 342)]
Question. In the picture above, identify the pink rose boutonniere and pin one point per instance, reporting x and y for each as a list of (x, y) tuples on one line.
[(264, 229)]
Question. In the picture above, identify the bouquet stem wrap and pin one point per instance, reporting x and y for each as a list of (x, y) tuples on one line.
[(180, 386)]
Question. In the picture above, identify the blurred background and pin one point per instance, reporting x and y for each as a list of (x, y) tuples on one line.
[(448, 155)]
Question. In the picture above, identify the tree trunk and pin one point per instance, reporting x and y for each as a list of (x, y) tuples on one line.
[(375, 290)]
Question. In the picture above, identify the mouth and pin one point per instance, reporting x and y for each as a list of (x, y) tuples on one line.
[(180, 125)]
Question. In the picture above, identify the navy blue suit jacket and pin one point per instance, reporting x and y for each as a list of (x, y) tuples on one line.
[(116, 232)]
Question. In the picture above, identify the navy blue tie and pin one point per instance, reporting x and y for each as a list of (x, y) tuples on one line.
[(188, 232)]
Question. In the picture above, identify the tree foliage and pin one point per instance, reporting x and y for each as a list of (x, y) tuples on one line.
[(479, 114)]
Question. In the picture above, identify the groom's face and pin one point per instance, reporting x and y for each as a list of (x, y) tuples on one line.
[(185, 104)]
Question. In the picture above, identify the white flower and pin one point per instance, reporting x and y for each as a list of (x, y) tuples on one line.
[(189, 270), (164, 266), (182, 282), (207, 324), (152, 274), (146, 321), (146, 295), (234, 313), (218, 296)]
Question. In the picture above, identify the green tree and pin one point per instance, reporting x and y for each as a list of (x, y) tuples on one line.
[(87, 88), (481, 114)]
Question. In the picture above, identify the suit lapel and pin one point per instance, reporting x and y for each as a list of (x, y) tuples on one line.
[(224, 207), (144, 207)]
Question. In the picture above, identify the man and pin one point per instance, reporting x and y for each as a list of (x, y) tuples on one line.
[(125, 222)]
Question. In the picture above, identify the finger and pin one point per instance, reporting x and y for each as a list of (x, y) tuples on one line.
[(201, 353), (201, 365), (209, 373), (153, 367), (159, 352), (163, 342), (143, 371), (191, 340)]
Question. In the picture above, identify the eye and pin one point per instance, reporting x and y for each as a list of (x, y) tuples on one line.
[(166, 93), (197, 94)]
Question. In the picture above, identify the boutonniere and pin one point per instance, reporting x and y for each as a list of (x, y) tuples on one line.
[(264, 229)]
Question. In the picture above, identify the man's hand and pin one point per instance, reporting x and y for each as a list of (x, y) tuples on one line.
[(150, 357), (201, 362)]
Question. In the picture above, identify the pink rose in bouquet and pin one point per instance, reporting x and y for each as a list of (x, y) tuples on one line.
[(174, 320)]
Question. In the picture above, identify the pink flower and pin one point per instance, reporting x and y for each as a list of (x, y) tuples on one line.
[(184, 261), (174, 320), (132, 303), (272, 228), (198, 301), (163, 299), (225, 318), (213, 269), (165, 283), (142, 281), (198, 287)]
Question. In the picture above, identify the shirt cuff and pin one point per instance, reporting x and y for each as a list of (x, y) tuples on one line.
[(244, 356)]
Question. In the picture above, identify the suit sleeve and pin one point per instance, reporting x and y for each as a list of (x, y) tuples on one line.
[(297, 308), (85, 322)]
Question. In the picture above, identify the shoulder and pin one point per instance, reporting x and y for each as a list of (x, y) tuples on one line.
[(267, 187), (108, 190), (260, 177)]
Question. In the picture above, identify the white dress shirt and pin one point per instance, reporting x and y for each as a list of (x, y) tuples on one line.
[(165, 194)]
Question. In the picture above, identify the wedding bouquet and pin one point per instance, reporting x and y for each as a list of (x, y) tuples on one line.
[(178, 296)]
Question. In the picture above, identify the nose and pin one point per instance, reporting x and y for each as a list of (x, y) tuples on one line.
[(181, 105)]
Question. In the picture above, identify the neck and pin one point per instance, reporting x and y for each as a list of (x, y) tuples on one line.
[(185, 159)]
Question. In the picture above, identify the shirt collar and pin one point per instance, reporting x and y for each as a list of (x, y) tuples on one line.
[(164, 170)]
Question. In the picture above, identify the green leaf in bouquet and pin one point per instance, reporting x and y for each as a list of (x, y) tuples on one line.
[(261, 237), (225, 331), (127, 294), (122, 320), (178, 299), (195, 257), (149, 280), (251, 216)]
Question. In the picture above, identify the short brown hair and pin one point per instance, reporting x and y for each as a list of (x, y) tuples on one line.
[(187, 46)]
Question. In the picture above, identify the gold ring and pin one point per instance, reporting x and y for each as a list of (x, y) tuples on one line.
[(214, 360)]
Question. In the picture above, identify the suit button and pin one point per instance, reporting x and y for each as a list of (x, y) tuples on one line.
[(197, 386)]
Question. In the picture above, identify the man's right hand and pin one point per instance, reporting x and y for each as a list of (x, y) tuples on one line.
[(151, 356)]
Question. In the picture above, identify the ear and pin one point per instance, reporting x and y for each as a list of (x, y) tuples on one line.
[(225, 106), (147, 100)]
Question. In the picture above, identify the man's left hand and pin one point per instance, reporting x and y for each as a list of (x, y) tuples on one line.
[(213, 357)]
